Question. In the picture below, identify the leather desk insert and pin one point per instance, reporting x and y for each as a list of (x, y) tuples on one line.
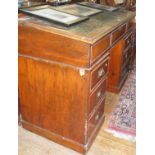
[(63, 75)]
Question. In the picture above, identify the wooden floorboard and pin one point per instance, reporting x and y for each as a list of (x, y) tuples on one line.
[(104, 144)]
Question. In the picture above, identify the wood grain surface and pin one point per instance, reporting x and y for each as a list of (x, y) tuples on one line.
[(104, 144), (44, 105)]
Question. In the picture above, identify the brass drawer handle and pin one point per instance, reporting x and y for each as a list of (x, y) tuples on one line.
[(99, 94), (128, 41), (97, 117), (101, 72)]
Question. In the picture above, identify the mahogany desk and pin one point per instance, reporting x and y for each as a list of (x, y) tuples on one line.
[(63, 74)]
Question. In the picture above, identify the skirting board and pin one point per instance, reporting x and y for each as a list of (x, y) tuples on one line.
[(81, 148)]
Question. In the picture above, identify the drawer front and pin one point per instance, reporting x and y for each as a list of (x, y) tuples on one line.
[(123, 77), (118, 33), (96, 96), (128, 41), (126, 65), (131, 24), (98, 73), (100, 47), (125, 70), (134, 39), (127, 55), (95, 119)]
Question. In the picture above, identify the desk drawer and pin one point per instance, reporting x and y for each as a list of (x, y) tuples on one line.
[(95, 119), (99, 72), (96, 96), (131, 24), (123, 77), (100, 47), (125, 70), (128, 41), (127, 55), (125, 66), (134, 39), (118, 33)]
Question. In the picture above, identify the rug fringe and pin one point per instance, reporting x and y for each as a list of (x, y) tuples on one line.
[(121, 135)]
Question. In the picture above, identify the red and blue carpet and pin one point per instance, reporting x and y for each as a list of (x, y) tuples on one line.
[(123, 120)]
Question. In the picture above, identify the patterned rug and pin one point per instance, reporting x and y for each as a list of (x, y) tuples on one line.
[(123, 120)]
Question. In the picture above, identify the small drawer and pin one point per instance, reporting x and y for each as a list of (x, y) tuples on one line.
[(127, 55), (96, 96), (100, 47), (125, 70), (124, 75), (128, 41), (134, 38), (126, 64), (95, 119), (118, 33), (99, 72), (131, 24)]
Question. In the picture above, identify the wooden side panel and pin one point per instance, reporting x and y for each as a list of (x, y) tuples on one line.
[(35, 42), (114, 69), (53, 97)]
